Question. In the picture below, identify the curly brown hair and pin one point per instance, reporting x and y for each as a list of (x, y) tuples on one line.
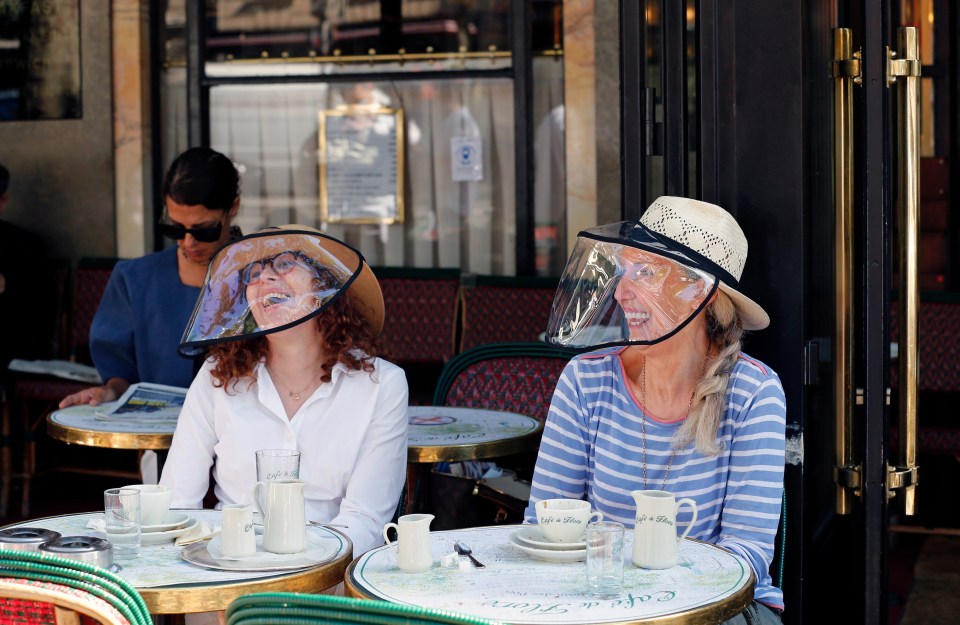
[(343, 328)]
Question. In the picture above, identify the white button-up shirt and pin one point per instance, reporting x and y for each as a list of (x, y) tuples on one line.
[(351, 434)]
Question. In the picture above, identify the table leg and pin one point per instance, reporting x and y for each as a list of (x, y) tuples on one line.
[(418, 483)]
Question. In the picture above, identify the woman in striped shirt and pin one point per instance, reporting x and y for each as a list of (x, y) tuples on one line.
[(669, 402)]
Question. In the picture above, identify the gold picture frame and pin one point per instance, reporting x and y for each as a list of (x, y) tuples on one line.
[(361, 165)]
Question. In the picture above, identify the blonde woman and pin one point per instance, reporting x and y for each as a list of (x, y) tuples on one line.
[(670, 402)]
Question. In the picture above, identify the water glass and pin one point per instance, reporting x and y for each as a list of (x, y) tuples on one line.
[(278, 464), (121, 508), (605, 559)]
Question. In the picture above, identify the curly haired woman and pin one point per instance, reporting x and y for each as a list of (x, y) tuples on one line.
[(291, 318)]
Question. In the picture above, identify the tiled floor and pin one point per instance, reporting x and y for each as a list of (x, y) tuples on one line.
[(902, 561), (934, 597)]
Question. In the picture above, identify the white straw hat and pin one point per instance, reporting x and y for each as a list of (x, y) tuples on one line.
[(714, 234)]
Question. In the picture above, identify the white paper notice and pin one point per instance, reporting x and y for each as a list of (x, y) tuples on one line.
[(466, 159)]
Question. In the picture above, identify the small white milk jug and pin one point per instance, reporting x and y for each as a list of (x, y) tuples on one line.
[(655, 541), (282, 510), (414, 553)]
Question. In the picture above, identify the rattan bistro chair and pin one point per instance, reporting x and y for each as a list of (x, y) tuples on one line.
[(30, 602), (500, 309), (34, 396), (23, 572), (297, 609), (519, 377)]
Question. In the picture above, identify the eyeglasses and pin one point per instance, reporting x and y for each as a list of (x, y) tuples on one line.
[(282, 263), (207, 234)]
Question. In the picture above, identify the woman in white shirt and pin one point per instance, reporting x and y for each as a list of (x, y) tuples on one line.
[(291, 318)]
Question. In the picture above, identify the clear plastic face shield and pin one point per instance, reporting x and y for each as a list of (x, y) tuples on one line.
[(268, 282), (622, 286)]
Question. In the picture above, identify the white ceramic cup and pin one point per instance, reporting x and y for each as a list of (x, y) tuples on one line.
[(655, 541), (237, 538), (414, 553), (564, 520), (154, 502), (281, 506)]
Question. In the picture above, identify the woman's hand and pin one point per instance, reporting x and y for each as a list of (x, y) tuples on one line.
[(96, 395)]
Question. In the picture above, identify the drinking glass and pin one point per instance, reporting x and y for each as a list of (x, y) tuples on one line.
[(605, 559), (278, 464), (121, 507)]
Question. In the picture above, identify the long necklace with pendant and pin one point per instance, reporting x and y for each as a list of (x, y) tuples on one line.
[(643, 418)]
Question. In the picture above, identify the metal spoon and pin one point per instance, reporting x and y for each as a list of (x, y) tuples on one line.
[(464, 550), (319, 524)]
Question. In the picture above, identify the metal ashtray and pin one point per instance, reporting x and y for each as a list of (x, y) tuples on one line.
[(25, 538), (89, 549)]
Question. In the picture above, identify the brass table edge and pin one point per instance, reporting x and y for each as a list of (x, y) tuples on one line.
[(473, 451), (108, 440), (216, 597)]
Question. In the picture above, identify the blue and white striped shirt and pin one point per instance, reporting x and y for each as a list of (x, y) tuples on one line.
[(592, 449)]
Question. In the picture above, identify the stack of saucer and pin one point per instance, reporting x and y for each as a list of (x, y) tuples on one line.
[(530, 540), (174, 524)]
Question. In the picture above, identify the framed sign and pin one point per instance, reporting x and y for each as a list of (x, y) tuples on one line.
[(361, 165)]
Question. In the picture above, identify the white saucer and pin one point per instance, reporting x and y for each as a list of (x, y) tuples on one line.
[(173, 520), (532, 536), (157, 538), (550, 555)]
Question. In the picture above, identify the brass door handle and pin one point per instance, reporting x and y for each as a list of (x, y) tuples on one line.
[(904, 72), (846, 73)]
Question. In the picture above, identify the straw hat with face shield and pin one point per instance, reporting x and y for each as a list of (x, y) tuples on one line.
[(641, 282), (274, 279)]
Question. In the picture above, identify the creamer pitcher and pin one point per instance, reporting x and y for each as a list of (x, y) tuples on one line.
[(655, 541), (282, 511), (414, 553)]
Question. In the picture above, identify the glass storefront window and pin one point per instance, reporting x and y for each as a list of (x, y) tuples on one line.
[(271, 133), (173, 81), (549, 167), (301, 37), (271, 130)]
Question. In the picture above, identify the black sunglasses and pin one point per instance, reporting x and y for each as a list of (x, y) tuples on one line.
[(208, 234)]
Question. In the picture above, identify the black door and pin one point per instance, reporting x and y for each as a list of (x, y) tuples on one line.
[(734, 103)]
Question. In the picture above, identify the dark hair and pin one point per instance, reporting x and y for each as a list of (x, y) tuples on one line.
[(202, 176), (4, 179)]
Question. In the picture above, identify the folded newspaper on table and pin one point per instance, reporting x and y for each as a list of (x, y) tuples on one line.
[(147, 401), (59, 368)]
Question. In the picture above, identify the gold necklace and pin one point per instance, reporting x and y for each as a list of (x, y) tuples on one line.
[(643, 418), (295, 395)]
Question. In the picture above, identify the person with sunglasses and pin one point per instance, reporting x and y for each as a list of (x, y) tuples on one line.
[(138, 325)]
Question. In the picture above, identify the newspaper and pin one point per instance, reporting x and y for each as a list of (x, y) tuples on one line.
[(59, 368), (147, 401)]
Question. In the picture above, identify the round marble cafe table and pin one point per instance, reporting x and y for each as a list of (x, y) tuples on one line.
[(709, 584)]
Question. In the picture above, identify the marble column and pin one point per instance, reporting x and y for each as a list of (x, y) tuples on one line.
[(131, 123), (579, 96)]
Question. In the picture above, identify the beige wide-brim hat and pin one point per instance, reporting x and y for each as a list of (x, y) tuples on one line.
[(223, 313), (365, 287), (715, 235)]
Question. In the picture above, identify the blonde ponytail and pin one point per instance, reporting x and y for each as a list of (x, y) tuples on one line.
[(725, 330)]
